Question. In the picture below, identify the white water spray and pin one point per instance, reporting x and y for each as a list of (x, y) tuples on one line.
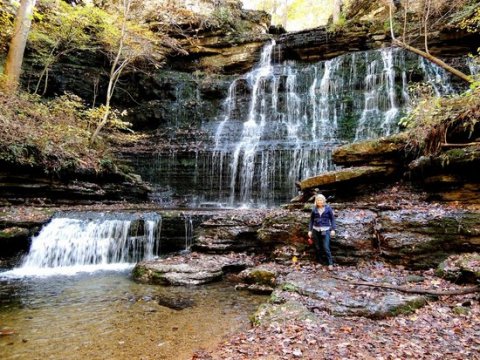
[(89, 242)]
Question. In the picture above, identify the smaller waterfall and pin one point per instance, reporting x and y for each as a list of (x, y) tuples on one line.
[(74, 242), (188, 231), (436, 77)]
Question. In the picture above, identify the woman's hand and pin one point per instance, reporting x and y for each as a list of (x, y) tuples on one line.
[(332, 233), (309, 234)]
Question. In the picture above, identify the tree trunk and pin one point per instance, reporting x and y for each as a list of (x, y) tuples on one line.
[(13, 64), (115, 72), (435, 60)]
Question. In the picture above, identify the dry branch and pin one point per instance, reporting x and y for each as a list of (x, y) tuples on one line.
[(404, 289), (460, 145)]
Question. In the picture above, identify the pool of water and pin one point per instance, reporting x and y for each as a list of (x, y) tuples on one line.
[(105, 315)]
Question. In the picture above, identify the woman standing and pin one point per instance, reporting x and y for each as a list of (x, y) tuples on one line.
[(321, 227)]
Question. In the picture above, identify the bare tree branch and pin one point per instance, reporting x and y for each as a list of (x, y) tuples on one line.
[(417, 290)]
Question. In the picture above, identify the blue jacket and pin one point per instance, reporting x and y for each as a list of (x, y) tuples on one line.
[(326, 219)]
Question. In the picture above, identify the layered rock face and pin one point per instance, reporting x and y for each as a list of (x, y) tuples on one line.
[(416, 236), (25, 184), (191, 93), (323, 44)]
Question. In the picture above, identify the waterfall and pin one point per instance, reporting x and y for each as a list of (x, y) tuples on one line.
[(436, 77), (188, 231), (280, 121), (297, 113), (73, 242), (381, 101)]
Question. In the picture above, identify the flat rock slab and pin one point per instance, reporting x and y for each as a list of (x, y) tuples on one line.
[(321, 290), (347, 176), (189, 269), (383, 151)]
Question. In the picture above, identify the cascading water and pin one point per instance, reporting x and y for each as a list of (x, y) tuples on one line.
[(280, 122), (298, 113), (188, 231), (75, 242)]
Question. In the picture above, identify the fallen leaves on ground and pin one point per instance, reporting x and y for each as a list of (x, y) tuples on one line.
[(436, 331)]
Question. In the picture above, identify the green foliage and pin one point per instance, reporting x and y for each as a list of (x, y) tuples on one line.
[(422, 95), (475, 60), (60, 29), (339, 25), (469, 17), (433, 118), (7, 15), (115, 121), (52, 134), (224, 17)]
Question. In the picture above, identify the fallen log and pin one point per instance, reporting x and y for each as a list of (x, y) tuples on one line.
[(417, 290)]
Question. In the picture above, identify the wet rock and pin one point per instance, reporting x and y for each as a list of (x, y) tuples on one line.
[(21, 184), (464, 268), (15, 239), (14, 233), (414, 279), (284, 227), (355, 237), (191, 269), (319, 44), (364, 34), (262, 275), (175, 303), (285, 254), (255, 288)]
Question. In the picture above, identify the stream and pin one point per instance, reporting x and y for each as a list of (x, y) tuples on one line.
[(105, 315)]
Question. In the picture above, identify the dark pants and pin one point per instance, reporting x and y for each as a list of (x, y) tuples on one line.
[(322, 242)]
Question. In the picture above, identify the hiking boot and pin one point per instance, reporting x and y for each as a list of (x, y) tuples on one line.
[(330, 267)]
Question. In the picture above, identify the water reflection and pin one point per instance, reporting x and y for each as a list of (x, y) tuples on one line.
[(108, 316)]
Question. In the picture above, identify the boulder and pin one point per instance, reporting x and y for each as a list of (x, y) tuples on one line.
[(262, 275), (354, 240), (463, 268), (260, 279), (325, 292), (270, 313)]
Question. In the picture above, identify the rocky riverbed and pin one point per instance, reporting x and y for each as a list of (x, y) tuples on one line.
[(317, 314), (392, 294)]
